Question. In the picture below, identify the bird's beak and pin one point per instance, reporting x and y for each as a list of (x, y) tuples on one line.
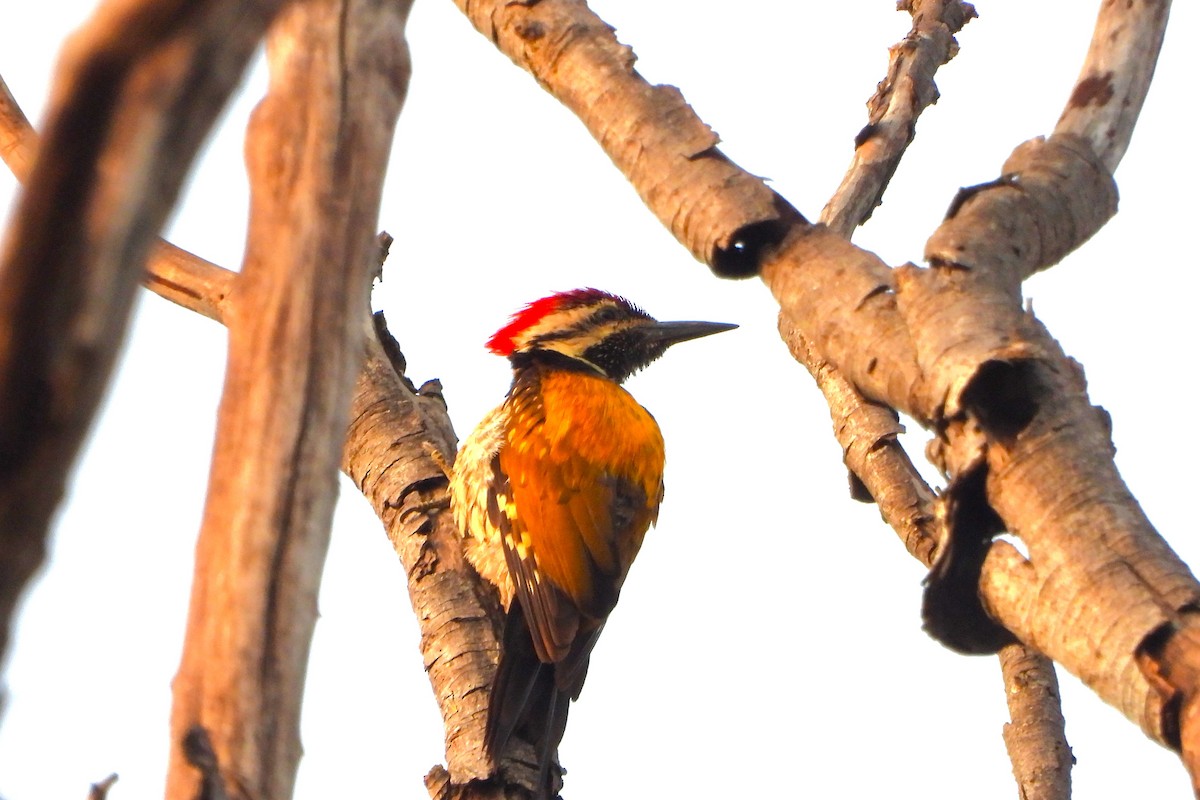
[(669, 333)]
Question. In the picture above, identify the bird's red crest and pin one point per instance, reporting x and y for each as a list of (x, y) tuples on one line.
[(503, 341)]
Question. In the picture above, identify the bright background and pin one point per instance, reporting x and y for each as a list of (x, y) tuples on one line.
[(769, 639)]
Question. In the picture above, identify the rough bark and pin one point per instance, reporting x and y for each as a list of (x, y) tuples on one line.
[(397, 437), (1014, 406), (722, 214), (906, 91), (137, 89), (868, 435), (1035, 739), (317, 151)]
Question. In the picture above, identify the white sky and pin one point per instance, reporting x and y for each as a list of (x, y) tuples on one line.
[(769, 638)]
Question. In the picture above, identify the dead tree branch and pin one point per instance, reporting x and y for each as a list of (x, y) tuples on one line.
[(317, 151), (18, 142), (1035, 739), (1015, 409), (1115, 77), (181, 277), (137, 89), (722, 214), (393, 427), (906, 91), (867, 433), (99, 790), (1036, 733)]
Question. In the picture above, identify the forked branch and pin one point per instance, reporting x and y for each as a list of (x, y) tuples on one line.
[(881, 331)]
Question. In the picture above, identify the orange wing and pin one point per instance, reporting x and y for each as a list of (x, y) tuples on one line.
[(583, 463)]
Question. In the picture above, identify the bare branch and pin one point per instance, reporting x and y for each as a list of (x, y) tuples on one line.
[(387, 454), (1036, 738), (189, 280), (1055, 194), (1052, 196), (137, 90), (723, 215), (893, 110), (174, 273), (1017, 408), (317, 151), (1014, 406), (867, 433), (99, 791), (18, 142), (1112, 85)]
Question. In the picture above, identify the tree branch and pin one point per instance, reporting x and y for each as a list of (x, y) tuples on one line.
[(892, 112), (18, 142), (867, 433), (722, 214), (183, 278), (317, 151), (1015, 414), (1112, 85), (1035, 739), (99, 791), (395, 430), (136, 91)]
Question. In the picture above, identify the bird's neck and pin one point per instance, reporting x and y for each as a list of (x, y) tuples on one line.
[(539, 360)]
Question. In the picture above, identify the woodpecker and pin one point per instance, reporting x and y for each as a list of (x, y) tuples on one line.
[(554, 491)]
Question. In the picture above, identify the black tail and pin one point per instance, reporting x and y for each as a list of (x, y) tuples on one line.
[(525, 701)]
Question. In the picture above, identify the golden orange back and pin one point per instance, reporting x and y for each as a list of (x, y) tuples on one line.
[(584, 464)]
